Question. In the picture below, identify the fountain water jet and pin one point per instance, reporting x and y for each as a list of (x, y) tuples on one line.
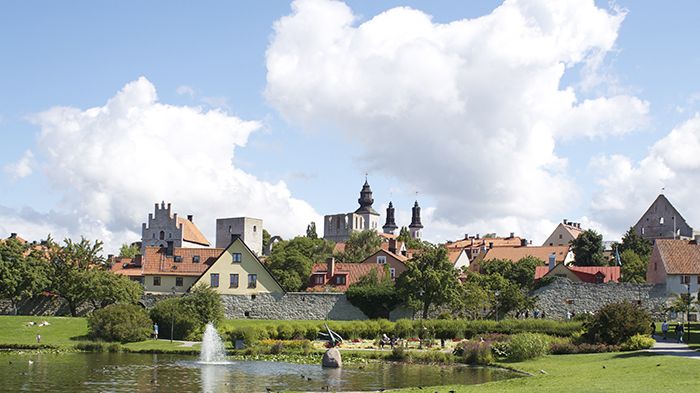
[(212, 347)]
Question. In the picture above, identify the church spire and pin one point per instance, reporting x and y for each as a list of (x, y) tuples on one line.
[(416, 225), (390, 225), (366, 200)]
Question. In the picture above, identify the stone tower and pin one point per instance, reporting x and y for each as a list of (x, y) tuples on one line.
[(416, 226), (370, 216), (390, 225)]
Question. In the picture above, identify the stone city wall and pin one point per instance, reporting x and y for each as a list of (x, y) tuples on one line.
[(563, 295), (42, 305), (292, 305)]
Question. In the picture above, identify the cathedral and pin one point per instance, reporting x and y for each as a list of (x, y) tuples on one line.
[(338, 227)]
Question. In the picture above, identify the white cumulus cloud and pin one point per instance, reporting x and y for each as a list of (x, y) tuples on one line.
[(23, 167), (111, 163), (627, 188), (468, 111)]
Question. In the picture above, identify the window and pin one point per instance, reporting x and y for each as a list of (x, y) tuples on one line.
[(236, 257), (178, 258), (154, 235), (252, 281), (214, 278), (233, 280), (685, 279), (318, 279), (340, 280), (642, 230), (195, 259), (661, 221), (381, 259), (392, 271), (156, 281), (170, 235), (178, 281), (162, 235), (255, 228), (698, 279)]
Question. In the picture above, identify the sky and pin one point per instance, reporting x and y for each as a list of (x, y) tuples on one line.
[(496, 116)]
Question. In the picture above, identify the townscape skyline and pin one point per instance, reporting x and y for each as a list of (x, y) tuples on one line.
[(497, 117)]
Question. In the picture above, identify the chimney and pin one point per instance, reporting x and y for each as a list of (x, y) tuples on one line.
[(190, 217), (466, 236), (552, 261), (512, 235), (565, 221), (523, 242), (477, 236), (392, 245), (696, 240), (13, 235), (331, 267), (110, 257), (490, 245)]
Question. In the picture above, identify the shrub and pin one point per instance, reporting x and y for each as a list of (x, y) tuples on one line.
[(638, 342), (249, 334), (474, 352), (617, 322), (500, 348), (399, 354), (187, 324), (206, 303), (566, 348), (403, 328), (525, 346), (120, 322)]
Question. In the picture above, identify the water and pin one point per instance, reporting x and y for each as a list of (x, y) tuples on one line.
[(131, 372), (212, 347)]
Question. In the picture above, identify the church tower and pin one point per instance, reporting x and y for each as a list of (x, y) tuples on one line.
[(415, 227), (390, 225), (370, 216)]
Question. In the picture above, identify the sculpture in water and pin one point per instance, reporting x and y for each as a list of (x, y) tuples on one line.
[(212, 347)]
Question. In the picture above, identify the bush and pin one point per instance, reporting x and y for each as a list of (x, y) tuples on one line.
[(120, 322), (638, 342), (525, 346), (403, 328), (249, 334), (399, 354), (474, 352), (206, 303), (567, 348), (617, 322), (187, 323)]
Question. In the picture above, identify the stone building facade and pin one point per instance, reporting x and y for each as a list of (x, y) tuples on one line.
[(167, 230), (250, 230), (662, 221)]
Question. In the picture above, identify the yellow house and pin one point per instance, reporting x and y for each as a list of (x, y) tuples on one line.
[(238, 271)]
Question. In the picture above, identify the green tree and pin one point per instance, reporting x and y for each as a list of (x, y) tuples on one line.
[(107, 288), (311, 231), (360, 246), (405, 236), (504, 295), (471, 300), (291, 261), (430, 280), (266, 239), (588, 249), (521, 272), (206, 303), (376, 298), (22, 273), (120, 322), (681, 304), (128, 250), (70, 266), (633, 268), (636, 243)]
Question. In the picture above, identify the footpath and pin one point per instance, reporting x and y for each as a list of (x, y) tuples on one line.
[(673, 348)]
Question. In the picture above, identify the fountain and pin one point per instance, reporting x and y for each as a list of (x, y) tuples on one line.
[(212, 347)]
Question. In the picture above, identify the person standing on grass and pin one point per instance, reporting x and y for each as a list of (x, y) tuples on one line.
[(664, 329), (679, 332), (155, 331), (653, 329), (38, 338)]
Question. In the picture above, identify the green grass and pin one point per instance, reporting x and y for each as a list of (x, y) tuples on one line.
[(606, 372)]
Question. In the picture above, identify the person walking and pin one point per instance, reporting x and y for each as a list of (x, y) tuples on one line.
[(664, 329), (155, 331), (679, 332), (653, 329)]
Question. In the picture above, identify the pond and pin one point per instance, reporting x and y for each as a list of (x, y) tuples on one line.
[(128, 372)]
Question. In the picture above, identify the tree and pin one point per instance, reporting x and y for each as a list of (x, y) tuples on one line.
[(206, 303), (266, 239), (681, 304), (504, 295), (128, 251), (291, 261), (633, 268), (70, 266), (636, 243), (405, 236), (617, 322), (430, 280), (471, 300), (376, 298), (107, 288), (588, 249), (360, 246), (311, 231), (521, 272), (120, 322), (22, 273)]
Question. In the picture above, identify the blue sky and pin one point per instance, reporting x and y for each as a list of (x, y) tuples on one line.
[(213, 55)]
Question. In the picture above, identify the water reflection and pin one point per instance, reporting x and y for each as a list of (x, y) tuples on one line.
[(214, 378)]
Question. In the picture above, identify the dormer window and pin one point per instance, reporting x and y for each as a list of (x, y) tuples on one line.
[(177, 258), (340, 280), (236, 257), (381, 259), (318, 279), (195, 259)]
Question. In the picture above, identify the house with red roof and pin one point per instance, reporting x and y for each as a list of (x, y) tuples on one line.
[(590, 274), (335, 276)]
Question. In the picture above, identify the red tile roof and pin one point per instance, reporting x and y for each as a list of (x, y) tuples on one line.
[(497, 242), (352, 272), (191, 233), (154, 261), (517, 253), (586, 273), (679, 256)]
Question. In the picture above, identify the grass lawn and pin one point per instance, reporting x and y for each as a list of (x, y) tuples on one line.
[(607, 372)]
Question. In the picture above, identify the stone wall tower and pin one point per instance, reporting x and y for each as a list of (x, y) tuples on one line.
[(416, 227), (390, 225)]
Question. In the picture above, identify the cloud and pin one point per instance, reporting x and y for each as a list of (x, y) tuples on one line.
[(468, 112), (185, 90), (111, 163), (627, 188), (22, 168)]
